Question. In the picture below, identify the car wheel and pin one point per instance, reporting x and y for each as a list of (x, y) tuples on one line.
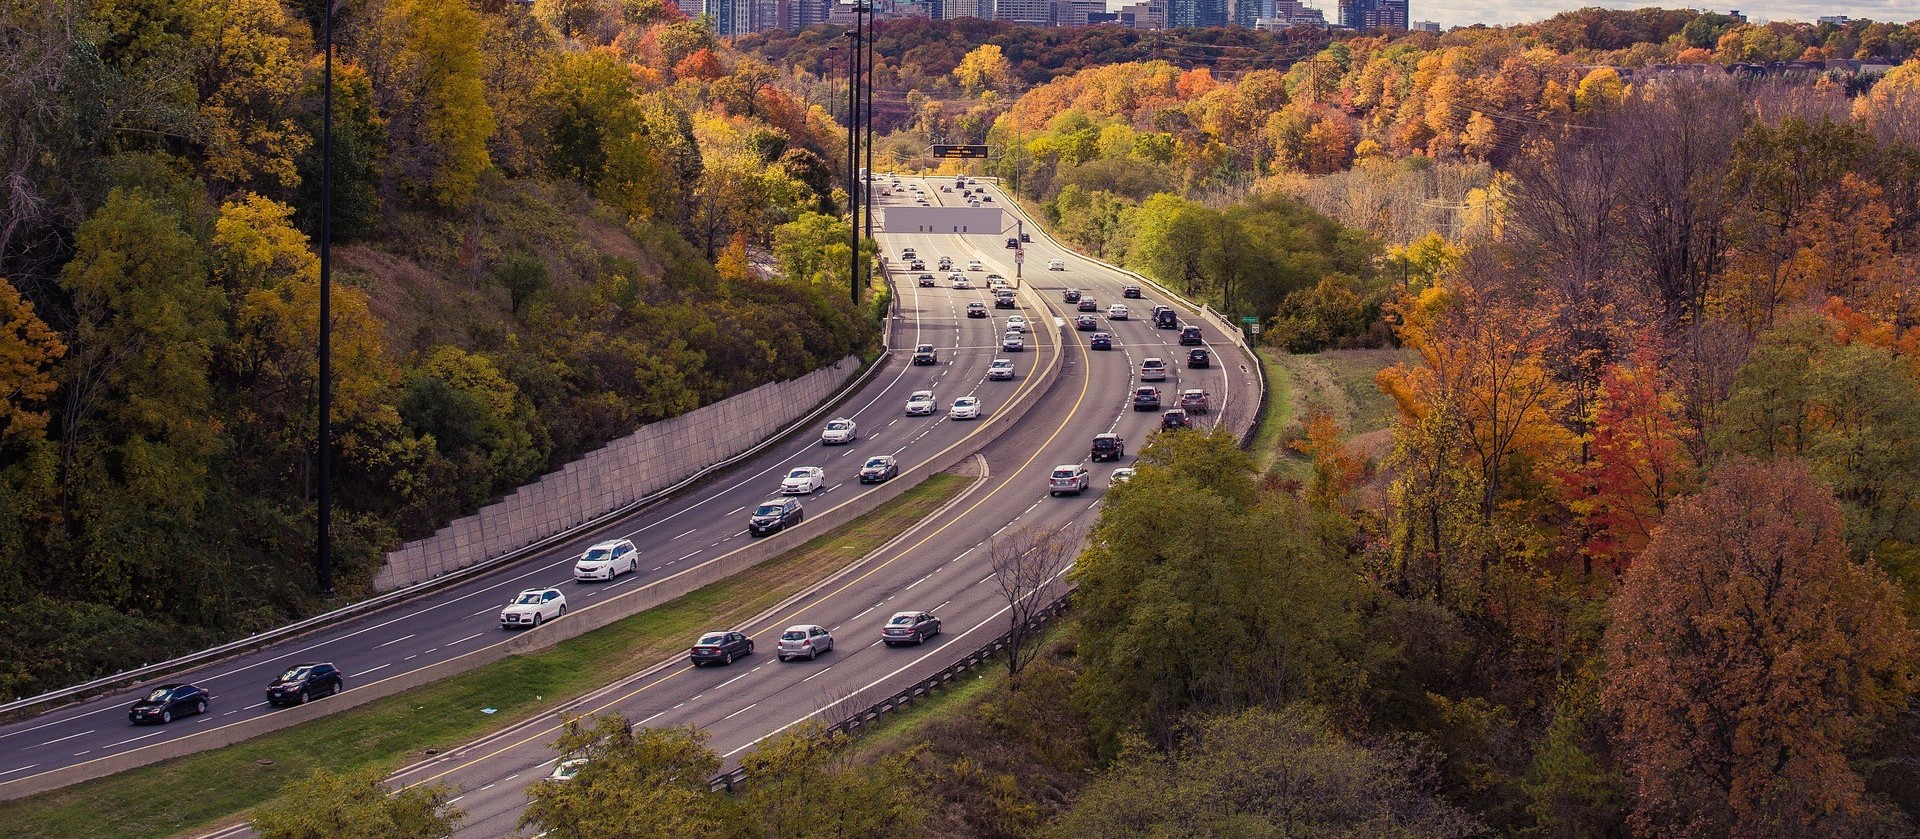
[(166, 717), (301, 699), (781, 656), (726, 658), (536, 618), (200, 707), (563, 611), (813, 654)]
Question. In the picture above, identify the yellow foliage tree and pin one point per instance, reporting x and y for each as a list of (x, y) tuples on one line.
[(435, 73), (253, 68), (28, 350), (983, 68)]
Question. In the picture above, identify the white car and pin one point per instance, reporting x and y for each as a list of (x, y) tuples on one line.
[(1120, 476), (803, 480), (607, 560), (804, 640), (922, 404), (1016, 323), (1000, 369), (1116, 312), (965, 408), (839, 431), (1153, 370), (1068, 478), (533, 607), (567, 769), (1013, 342), (1056, 265), (959, 281), (974, 265)]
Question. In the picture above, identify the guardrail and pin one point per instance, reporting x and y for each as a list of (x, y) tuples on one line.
[(576, 623), (380, 601), (732, 781), (1203, 310)]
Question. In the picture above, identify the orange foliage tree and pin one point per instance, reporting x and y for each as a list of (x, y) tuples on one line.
[(1639, 461), (1748, 654)]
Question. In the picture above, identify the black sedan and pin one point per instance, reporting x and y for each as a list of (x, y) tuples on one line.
[(1086, 323), (1101, 341), (303, 682), (1088, 304), (720, 647), (164, 703), (1130, 291), (1199, 357)]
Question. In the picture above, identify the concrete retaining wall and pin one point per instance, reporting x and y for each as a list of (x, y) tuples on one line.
[(614, 476)]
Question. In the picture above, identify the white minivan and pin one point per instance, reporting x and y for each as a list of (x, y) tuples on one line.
[(606, 561)]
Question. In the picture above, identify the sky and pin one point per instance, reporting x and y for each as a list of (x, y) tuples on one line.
[(1467, 12)]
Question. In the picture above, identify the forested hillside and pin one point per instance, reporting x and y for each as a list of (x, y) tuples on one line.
[(552, 224)]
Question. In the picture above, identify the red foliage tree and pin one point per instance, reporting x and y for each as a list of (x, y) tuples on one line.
[(1748, 654)]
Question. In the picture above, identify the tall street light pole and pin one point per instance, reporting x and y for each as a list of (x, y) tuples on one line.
[(856, 186), (323, 566), (872, 75)]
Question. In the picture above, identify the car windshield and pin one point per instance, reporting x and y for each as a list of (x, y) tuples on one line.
[(716, 638), (159, 694), (922, 394), (597, 555), (794, 635), (1063, 473), (901, 620), (294, 675), (966, 400), (839, 425), (767, 510), (797, 473), (528, 599), (926, 348), (877, 463)]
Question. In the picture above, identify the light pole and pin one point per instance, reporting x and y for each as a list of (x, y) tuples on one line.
[(854, 184), (323, 565), (872, 75)]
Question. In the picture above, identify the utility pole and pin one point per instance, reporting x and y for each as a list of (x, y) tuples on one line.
[(872, 75), (323, 564), (856, 185)]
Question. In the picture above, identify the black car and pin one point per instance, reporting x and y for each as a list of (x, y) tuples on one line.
[(879, 469), (1132, 291), (303, 682), (926, 281), (1199, 357), (164, 703), (1026, 237), (1088, 304), (1173, 419), (1012, 244), (775, 515), (1108, 447), (720, 647), (1164, 317), (1190, 337), (1071, 295), (1086, 323), (1101, 341), (1146, 399), (1003, 301)]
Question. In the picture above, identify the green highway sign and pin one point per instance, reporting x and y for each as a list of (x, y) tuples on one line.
[(1249, 320)]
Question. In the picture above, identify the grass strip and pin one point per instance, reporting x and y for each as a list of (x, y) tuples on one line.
[(198, 791), (1268, 439)]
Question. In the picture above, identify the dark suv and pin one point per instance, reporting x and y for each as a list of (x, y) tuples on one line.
[(1146, 399), (1165, 317), (1199, 357), (303, 682), (774, 516), (1108, 447), (1190, 337)]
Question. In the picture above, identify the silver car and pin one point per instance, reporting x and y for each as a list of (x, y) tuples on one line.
[(803, 641)]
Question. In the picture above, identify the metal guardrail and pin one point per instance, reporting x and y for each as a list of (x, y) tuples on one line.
[(733, 780), (399, 595)]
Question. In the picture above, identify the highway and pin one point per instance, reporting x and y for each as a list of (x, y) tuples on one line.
[(941, 565), (694, 527)]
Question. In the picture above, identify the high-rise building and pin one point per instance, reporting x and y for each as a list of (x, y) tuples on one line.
[(1145, 14), (804, 13), (1424, 26), (1196, 13), (1030, 12), (1368, 15), (956, 9), (1080, 12)]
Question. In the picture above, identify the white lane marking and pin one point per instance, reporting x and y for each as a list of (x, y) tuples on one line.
[(365, 672), (743, 507), (495, 783), (690, 532), (396, 640), (21, 769), (482, 612), (66, 738), (468, 638), (732, 680), (130, 739), (649, 719), (253, 706), (739, 712), (696, 553)]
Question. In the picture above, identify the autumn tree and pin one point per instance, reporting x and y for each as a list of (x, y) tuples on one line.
[(637, 782), (355, 805), (984, 67), (1028, 567), (1748, 654), (1639, 461), (254, 65), (29, 349), (426, 56)]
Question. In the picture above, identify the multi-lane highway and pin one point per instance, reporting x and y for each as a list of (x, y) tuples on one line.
[(671, 536), (942, 565)]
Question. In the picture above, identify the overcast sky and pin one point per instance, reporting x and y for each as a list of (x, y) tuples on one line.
[(1465, 12)]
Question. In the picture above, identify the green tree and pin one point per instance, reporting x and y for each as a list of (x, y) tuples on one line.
[(801, 784), (523, 275), (355, 805), (637, 782), (1264, 774), (136, 431), (1189, 556), (359, 147), (584, 103)]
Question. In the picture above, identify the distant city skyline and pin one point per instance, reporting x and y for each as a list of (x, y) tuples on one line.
[(1451, 13)]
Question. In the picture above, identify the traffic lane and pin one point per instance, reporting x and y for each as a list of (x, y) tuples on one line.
[(648, 701), (435, 627)]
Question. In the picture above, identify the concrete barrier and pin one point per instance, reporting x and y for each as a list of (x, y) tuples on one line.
[(576, 623)]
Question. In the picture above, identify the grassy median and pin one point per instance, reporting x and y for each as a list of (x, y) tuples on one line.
[(195, 792)]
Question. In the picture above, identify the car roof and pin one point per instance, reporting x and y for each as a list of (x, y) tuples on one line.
[(919, 393), (1193, 392), (1068, 466), (1007, 361), (803, 627), (611, 543), (1106, 434), (967, 399), (907, 613)]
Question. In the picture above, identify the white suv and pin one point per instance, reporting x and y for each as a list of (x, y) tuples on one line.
[(607, 560), (1153, 370), (1067, 478)]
